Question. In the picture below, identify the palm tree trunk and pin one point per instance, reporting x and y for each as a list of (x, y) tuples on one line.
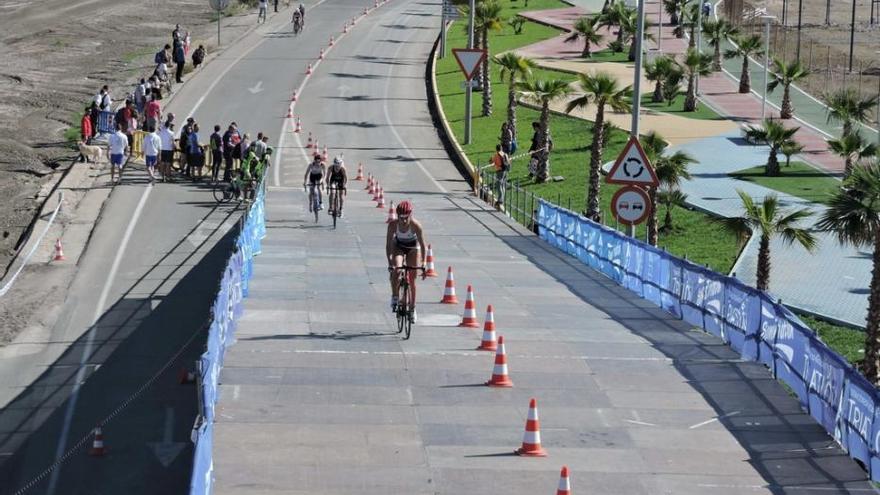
[(773, 163), (716, 62), (692, 43), (543, 172), (658, 93), (745, 78), (511, 105), (763, 274), (786, 110), (595, 163), (847, 167), (652, 218), (667, 219), (587, 53), (620, 36), (871, 363), (690, 100), (631, 56), (487, 83)]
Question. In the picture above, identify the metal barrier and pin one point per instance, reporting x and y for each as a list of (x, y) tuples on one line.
[(106, 122)]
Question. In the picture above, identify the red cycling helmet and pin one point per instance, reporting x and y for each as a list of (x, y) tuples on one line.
[(316, 155), (405, 207)]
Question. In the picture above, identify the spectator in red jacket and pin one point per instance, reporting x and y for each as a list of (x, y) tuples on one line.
[(85, 130)]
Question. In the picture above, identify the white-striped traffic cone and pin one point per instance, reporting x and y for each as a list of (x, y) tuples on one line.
[(360, 175), (469, 318), (449, 290), (564, 482), (59, 251), (381, 202), (488, 342), (531, 444), (392, 215), (429, 263), (500, 378), (98, 449)]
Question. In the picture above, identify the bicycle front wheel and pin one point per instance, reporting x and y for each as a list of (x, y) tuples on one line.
[(223, 192)]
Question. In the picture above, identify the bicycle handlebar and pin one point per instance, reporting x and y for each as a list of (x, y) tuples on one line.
[(414, 268)]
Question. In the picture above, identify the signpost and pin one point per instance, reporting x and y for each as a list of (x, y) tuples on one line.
[(631, 205), (219, 6), (469, 60), (449, 12)]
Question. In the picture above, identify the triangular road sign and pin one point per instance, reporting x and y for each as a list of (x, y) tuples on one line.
[(632, 167), (469, 59)]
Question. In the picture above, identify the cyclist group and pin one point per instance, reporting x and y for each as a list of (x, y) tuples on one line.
[(298, 19), (318, 176)]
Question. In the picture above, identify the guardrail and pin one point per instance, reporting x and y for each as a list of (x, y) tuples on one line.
[(225, 313), (760, 329)]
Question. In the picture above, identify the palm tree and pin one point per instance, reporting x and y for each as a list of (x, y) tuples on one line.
[(543, 92), (717, 32), (672, 84), (513, 67), (671, 170), (600, 89), (775, 135), (670, 198), (517, 24), (790, 148), (849, 108), (657, 71), (615, 15), (768, 220), (852, 148), (691, 15), (746, 46), (853, 214), (487, 17), (694, 64), (630, 27), (673, 7), (586, 28), (785, 74)]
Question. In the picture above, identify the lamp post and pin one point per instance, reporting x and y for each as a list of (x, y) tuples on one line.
[(852, 34), (637, 83), (767, 19)]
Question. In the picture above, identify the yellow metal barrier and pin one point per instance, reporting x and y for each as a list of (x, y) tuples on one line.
[(137, 144)]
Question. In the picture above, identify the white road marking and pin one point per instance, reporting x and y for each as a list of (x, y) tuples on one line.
[(90, 341), (639, 422), (716, 418), (257, 88), (236, 392)]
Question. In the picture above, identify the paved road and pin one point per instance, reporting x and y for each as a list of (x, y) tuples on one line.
[(319, 395), (142, 292)]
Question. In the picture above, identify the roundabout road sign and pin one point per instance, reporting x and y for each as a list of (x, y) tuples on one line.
[(630, 205), (219, 4)]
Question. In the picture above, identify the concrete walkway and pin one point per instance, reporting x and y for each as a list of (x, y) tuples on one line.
[(835, 285)]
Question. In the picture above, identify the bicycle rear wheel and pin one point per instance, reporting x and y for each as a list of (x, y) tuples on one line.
[(405, 319), (223, 192)]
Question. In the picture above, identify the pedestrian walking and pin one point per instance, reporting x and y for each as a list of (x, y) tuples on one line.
[(140, 96), (166, 157), (152, 148), (302, 13), (118, 145), (152, 114), (231, 142), (180, 60), (216, 145), (199, 56), (125, 117), (501, 162), (196, 159), (261, 16), (276, 6), (85, 130)]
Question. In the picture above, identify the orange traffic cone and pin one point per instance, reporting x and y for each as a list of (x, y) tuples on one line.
[(469, 318), (499, 371), (98, 448), (531, 445), (309, 69), (321, 54), (564, 482), (392, 215), (360, 175), (331, 41), (293, 96), (449, 290), (309, 144), (429, 263), (324, 153), (298, 125), (369, 182), (59, 252), (488, 343), (376, 191), (381, 202), (345, 28), (289, 113)]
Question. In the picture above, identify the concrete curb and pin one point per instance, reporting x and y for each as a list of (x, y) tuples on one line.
[(447, 137)]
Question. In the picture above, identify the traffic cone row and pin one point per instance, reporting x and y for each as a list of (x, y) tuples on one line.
[(309, 69), (293, 96), (369, 182), (331, 41)]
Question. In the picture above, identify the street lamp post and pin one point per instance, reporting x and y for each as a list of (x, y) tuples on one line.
[(767, 19), (852, 35), (637, 84)]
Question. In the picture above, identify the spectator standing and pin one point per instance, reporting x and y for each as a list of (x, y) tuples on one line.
[(85, 131), (175, 35), (264, 6), (216, 144), (231, 141), (245, 146), (198, 56), (180, 60), (186, 43), (103, 99), (502, 165), (506, 138), (126, 117), (163, 55), (93, 116), (152, 114), (276, 6), (258, 148), (140, 96), (118, 145), (183, 146), (152, 147), (302, 13), (196, 159), (166, 158)]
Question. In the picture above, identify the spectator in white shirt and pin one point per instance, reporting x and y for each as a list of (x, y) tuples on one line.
[(152, 146), (118, 147), (166, 137)]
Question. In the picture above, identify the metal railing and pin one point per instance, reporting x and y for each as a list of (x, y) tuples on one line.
[(519, 204)]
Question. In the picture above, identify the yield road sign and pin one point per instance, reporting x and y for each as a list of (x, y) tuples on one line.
[(469, 59), (630, 205), (632, 167)]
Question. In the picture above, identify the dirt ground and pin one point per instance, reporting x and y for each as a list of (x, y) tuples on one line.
[(56, 55)]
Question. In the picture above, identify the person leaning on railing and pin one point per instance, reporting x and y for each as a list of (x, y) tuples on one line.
[(501, 163)]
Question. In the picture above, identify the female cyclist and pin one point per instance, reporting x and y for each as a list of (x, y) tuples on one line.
[(314, 177), (404, 246)]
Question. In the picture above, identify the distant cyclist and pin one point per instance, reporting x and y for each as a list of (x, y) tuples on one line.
[(314, 177), (297, 21), (404, 246), (302, 13), (337, 178)]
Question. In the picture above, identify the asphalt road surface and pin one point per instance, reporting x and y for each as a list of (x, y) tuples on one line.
[(319, 394)]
